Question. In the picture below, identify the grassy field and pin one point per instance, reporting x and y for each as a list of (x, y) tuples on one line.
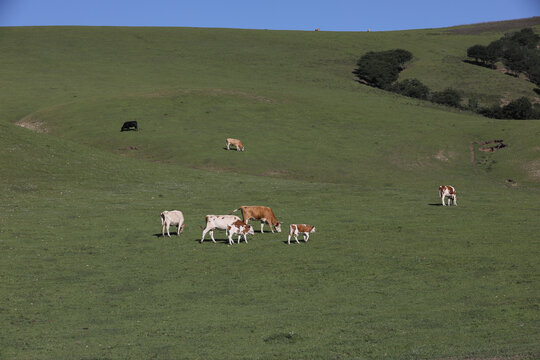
[(389, 274)]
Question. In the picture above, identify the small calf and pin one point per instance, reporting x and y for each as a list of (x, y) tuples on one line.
[(174, 218), (295, 229), (241, 228), (235, 142), (448, 191), (129, 125)]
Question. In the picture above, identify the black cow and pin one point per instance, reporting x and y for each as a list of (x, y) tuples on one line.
[(129, 125)]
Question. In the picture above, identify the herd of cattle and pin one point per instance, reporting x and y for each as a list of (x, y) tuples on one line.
[(233, 225)]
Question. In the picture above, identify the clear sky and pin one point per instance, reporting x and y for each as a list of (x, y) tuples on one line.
[(329, 15)]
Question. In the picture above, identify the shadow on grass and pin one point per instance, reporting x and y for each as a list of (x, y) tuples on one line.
[(437, 204), (218, 241)]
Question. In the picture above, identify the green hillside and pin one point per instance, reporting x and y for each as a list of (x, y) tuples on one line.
[(389, 274)]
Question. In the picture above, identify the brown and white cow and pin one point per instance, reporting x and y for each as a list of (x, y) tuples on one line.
[(295, 229), (263, 214), (241, 228), (235, 142), (448, 191), (218, 222), (174, 218)]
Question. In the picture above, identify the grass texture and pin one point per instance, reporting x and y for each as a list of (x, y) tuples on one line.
[(389, 274)]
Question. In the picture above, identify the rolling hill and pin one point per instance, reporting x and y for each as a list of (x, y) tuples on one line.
[(389, 273)]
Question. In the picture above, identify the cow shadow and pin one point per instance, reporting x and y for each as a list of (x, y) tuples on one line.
[(158, 235), (218, 241), (435, 204)]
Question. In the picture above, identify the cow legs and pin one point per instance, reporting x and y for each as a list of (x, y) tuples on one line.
[(212, 235), (289, 239), (162, 229), (262, 227), (455, 200), (180, 228), (168, 225), (306, 237), (442, 198), (204, 234), (228, 144)]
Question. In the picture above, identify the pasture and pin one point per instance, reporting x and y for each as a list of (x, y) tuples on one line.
[(389, 274)]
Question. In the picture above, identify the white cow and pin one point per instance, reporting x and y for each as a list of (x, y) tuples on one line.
[(218, 222), (241, 228), (174, 218)]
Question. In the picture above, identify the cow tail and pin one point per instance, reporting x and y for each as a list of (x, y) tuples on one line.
[(233, 211)]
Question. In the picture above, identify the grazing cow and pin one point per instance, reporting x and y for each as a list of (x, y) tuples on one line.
[(262, 213), (129, 125), (295, 229), (174, 218), (240, 228), (219, 222), (235, 142), (448, 191)]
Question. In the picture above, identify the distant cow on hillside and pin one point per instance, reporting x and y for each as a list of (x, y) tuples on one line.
[(448, 191), (235, 142), (129, 125)]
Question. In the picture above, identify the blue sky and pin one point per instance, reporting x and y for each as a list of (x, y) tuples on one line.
[(330, 15)]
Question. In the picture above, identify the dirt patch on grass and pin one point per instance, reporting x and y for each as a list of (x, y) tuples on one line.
[(37, 126), (496, 26), (444, 155), (533, 169), (498, 145)]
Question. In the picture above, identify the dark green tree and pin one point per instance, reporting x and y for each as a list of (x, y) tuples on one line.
[(411, 88), (518, 109), (448, 96), (381, 69), (478, 52)]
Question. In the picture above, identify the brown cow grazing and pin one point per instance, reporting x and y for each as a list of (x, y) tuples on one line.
[(448, 191), (262, 213), (235, 142), (240, 228), (295, 229)]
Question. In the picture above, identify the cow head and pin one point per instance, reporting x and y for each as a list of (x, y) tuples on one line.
[(312, 230), (250, 230), (278, 227)]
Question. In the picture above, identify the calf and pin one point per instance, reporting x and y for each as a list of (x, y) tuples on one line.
[(240, 228), (295, 229), (262, 213), (219, 222), (129, 125), (174, 218), (235, 142), (448, 191)]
